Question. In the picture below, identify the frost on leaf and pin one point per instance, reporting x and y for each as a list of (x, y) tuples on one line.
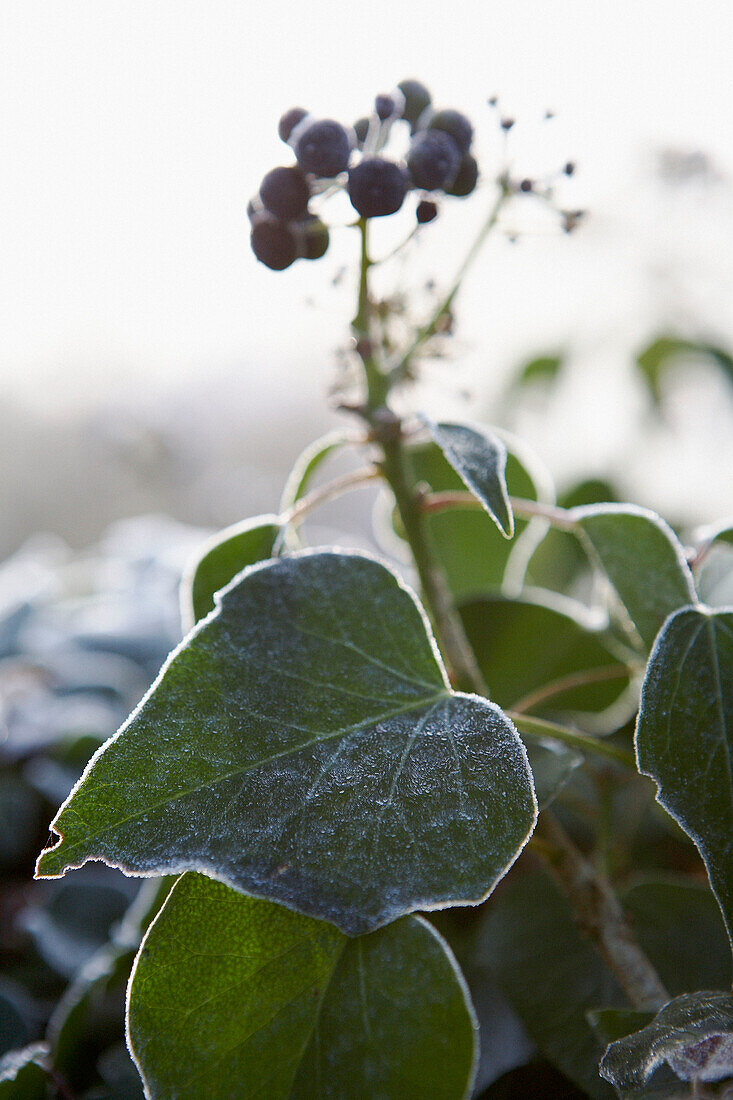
[(693, 1035), (684, 736), (303, 745), (479, 458)]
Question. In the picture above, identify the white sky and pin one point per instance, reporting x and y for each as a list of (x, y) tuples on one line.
[(132, 133)]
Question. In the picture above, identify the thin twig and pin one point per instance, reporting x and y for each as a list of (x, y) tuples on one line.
[(325, 493), (568, 683), (598, 912), (527, 509)]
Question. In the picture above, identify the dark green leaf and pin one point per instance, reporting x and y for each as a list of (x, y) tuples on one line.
[(642, 559), (234, 997), (663, 352), (693, 1034), (228, 553), (479, 458), (684, 736), (560, 563), (23, 1074), (549, 972), (303, 744), (523, 646), (678, 925), (472, 551)]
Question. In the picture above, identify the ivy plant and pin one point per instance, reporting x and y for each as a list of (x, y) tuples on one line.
[(401, 800)]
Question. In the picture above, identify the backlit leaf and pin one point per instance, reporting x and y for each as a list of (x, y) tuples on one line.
[(693, 1034), (234, 997), (642, 559), (684, 736), (228, 553), (472, 551), (479, 458), (303, 744)]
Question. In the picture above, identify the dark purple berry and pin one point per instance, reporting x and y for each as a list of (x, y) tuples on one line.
[(506, 124), (569, 168), (466, 178), (323, 148), (426, 211), (384, 106), (361, 129), (312, 237), (273, 243), (455, 125), (377, 187), (417, 98), (285, 193), (433, 160), (526, 185), (289, 121)]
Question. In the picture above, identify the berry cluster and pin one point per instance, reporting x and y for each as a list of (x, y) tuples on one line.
[(330, 157)]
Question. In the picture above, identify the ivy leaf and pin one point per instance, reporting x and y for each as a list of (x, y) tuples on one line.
[(642, 559), (474, 555), (693, 1034), (303, 744), (479, 458), (684, 736), (549, 972), (228, 553), (233, 996)]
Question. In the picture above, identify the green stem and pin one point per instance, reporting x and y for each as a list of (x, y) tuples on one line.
[(387, 432), (464, 671), (540, 727), (377, 381)]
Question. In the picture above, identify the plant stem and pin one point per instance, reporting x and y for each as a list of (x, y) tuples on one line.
[(598, 911), (324, 493), (567, 683), (387, 432), (464, 671), (430, 327), (594, 903), (539, 727), (527, 509), (377, 381)]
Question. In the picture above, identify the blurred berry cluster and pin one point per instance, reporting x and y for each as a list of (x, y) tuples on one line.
[(332, 157)]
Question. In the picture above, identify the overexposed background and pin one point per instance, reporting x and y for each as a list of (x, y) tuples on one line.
[(147, 362)]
